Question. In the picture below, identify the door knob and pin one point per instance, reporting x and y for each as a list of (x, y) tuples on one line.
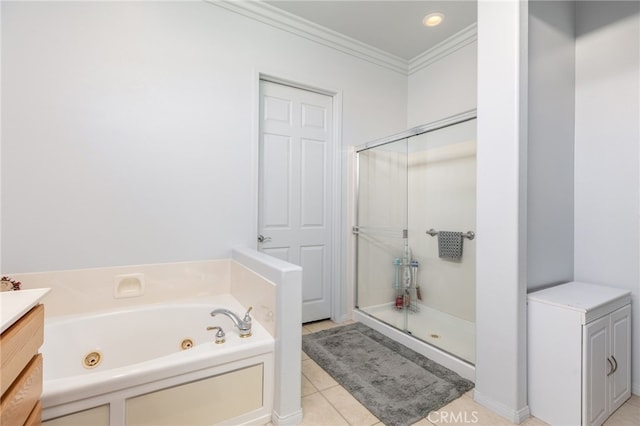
[(263, 239)]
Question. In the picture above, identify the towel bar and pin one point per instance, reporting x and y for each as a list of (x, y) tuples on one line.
[(469, 234)]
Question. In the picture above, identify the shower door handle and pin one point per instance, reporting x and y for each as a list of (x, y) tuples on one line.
[(263, 239)]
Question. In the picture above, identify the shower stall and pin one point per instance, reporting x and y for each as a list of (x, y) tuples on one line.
[(415, 239)]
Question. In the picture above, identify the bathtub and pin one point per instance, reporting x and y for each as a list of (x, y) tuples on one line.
[(157, 364)]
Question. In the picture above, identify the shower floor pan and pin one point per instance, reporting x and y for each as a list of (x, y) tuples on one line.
[(447, 332)]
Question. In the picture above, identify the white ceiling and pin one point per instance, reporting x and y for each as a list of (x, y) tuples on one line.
[(394, 26)]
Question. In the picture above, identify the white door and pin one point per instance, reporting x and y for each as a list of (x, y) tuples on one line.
[(295, 188)]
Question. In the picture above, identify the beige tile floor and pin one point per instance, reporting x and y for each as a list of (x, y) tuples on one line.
[(326, 403)]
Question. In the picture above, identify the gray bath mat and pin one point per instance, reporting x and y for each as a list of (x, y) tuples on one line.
[(398, 385)]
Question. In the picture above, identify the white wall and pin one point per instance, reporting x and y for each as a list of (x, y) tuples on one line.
[(501, 380), (0, 149), (128, 127), (550, 143), (607, 155), (583, 156), (606, 167), (444, 88)]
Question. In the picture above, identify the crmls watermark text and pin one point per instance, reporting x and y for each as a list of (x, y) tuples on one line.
[(457, 417)]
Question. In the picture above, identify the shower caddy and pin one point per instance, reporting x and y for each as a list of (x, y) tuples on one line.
[(407, 289)]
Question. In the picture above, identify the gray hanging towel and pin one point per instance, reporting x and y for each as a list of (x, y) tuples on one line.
[(450, 245)]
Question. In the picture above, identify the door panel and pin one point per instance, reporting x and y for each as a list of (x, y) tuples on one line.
[(620, 349), (312, 259), (276, 109), (279, 252), (596, 338), (314, 116), (276, 181), (295, 187), (313, 179)]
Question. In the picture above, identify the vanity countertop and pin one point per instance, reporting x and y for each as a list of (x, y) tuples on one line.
[(14, 304)]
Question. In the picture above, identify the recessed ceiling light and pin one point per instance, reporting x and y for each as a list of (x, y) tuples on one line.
[(433, 19)]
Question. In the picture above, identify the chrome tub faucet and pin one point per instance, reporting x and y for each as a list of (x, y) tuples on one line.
[(244, 324)]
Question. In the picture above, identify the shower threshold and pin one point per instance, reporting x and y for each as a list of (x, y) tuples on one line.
[(453, 336)]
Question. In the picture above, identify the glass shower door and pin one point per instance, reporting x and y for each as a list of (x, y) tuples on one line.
[(381, 224), (442, 198), (412, 193)]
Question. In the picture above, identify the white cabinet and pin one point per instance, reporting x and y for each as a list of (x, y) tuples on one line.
[(579, 353), (607, 338)]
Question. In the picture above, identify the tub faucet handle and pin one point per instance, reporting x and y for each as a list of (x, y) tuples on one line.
[(247, 317), (220, 336)]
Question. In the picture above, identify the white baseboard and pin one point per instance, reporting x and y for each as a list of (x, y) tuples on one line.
[(635, 388), (514, 416), (290, 419)]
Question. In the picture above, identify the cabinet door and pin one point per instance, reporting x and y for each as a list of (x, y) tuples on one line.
[(596, 343), (620, 381)]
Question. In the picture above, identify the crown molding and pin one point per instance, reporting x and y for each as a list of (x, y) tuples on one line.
[(455, 42), (278, 18), (293, 24)]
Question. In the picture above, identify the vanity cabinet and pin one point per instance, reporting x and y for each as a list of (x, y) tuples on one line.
[(579, 353), (21, 369)]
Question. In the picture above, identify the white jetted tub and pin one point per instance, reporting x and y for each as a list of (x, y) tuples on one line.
[(157, 364)]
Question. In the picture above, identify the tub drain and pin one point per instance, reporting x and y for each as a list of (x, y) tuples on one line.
[(186, 344), (92, 359)]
